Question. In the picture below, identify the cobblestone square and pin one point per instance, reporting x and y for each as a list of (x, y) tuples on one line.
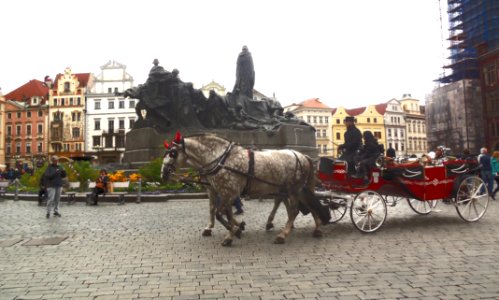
[(156, 251)]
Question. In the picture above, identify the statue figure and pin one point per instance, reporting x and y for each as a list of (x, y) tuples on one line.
[(245, 74)]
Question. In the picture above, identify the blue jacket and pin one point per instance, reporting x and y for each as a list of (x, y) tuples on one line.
[(495, 165), (485, 162)]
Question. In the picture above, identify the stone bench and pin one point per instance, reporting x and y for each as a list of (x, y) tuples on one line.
[(3, 187), (70, 192), (121, 195)]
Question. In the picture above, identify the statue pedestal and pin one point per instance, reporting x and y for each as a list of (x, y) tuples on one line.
[(146, 144)]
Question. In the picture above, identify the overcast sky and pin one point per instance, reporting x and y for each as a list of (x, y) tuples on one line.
[(347, 53)]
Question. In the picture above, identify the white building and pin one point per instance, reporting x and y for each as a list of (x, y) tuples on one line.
[(395, 127), (109, 116)]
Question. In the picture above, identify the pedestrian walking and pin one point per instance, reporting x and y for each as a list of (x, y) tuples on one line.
[(485, 162), (53, 180)]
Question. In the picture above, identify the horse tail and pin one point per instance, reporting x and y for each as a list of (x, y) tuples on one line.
[(308, 194)]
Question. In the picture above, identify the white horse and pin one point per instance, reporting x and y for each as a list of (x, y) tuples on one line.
[(231, 170)]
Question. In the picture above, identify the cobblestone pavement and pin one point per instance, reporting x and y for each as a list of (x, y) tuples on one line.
[(156, 251)]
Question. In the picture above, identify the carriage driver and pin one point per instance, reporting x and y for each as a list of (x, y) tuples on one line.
[(353, 141)]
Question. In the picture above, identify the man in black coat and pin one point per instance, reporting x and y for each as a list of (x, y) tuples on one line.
[(53, 181), (353, 141)]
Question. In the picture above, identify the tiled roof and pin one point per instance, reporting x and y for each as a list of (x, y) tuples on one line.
[(313, 103), (355, 111), (381, 108), (32, 88), (83, 78)]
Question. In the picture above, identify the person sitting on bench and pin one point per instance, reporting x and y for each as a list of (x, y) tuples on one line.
[(100, 186)]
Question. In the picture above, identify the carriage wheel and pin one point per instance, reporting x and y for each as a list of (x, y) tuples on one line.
[(337, 207), (422, 207), (368, 211), (472, 199)]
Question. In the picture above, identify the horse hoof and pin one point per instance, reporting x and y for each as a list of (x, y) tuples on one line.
[(207, 232), (279, 240), (242, 225), (269, 226), (317, 233), (227, 243), (238, 233)]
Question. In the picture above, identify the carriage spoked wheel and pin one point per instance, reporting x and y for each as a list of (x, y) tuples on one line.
[(472, 199), (422, 207), (337, 208), (368, 211)]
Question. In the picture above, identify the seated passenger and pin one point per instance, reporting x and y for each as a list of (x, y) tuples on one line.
[(370, 151)]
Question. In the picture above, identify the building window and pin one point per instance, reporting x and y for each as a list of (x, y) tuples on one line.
[(337, 121), (109, 90), (490, 75), (78, 101), (320, 119), (28, 114), (338, 136), (368, 120), (63, 102), (132, 123), (375, 120), (315, 120), (28, 130), (9, 130), (377, 134), (9, 116), (110, 105), (110, 125), (323, 132), (109, 141), (76, 132), (40, 113), (97, 124), (39, 147), (324, 148), (115, 90), (28, 148), (18, 130), (18, 115), (18, 148), (96, 140), (71, 101), (131, 104), (8, 149), (122, 104), (308, 119), (120, 141), (121, 124), (97, 105), (326, 120), (389, 132)]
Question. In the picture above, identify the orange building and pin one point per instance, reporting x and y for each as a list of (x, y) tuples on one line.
[(26, 119)]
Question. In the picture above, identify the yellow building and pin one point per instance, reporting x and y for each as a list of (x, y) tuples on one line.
[(318, 115), (2, 131), (366, 118)]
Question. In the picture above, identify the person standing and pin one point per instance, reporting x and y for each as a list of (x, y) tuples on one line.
[(245, 74), (353, 141), (53, 180), (495, 171), (485, 162)]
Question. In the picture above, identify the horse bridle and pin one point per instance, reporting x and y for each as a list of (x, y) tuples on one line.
[(207, 169)]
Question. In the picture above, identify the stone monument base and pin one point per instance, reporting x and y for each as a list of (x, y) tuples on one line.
[(146, 144)]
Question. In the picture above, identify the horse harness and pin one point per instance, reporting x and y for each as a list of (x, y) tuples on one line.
[(218, 163)]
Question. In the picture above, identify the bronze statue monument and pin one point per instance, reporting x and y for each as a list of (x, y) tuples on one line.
[(167, 104)]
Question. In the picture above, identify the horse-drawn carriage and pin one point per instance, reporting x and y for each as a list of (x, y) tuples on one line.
[(422, 182)]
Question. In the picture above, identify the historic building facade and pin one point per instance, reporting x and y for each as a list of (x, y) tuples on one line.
[(26, 121), (109, 116), (317, 114), (395, 128), (2, 131), (67, 114), (415, 121)]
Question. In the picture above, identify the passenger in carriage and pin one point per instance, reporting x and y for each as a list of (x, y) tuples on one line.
[(370, 151), (353, 142)]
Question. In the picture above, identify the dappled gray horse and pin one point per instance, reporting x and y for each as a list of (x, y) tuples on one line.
[(231, 171)]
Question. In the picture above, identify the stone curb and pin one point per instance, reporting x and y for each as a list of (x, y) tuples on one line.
[(81, 197)]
